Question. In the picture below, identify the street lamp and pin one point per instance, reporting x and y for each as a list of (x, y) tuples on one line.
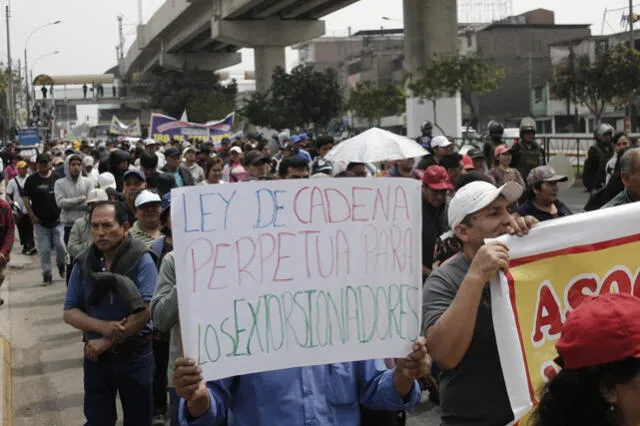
[(34, 66), (26, 65), (386, 18), (55, 52)]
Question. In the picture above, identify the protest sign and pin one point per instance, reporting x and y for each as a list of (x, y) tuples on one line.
[(163, 129), (29, 136), (551, 272), (281, 274), (117, 127)]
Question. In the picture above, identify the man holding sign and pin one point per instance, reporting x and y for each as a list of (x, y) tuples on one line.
[(457, 306), (317, 395), (288, 290)]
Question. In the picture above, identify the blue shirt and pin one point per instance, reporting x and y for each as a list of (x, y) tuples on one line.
[(111, 307), (304, 155), (178, 177), (304, 396)]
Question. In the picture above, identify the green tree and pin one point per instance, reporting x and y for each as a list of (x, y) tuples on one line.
[(213, 105), (298, 99), (446, 75), (610, 79), (200, 92), (372, 103), (4, 93)]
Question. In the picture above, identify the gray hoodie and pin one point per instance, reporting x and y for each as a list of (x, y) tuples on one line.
[(71, 195), (164, 310)]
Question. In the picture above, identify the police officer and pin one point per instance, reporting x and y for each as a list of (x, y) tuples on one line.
[(527, 154), (496, 130), (427, 134), (594, 174)]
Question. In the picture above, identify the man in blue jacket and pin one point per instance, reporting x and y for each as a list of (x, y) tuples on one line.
[(111, 285), (315, 395)]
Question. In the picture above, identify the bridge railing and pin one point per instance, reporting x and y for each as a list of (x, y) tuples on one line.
[(75, 93)]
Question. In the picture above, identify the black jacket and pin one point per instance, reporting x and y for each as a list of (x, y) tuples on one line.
[(594, 174), (184, 172)]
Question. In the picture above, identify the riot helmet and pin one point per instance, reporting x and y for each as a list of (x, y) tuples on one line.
[(496, 129), (601, 130), (527, 124), (426, 128)]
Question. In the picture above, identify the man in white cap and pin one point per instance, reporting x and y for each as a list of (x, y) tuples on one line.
[(457, 306), (146, 228), (440, 146), (152, 146), (190, 155)]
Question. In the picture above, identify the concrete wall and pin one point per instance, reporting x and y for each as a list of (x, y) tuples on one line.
[(510, 47)]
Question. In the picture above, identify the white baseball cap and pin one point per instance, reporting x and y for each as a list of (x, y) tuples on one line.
[(236, 149), (146, 197), (150, 141), (106, 180), (475, 196), (440, 142), (97, 195)]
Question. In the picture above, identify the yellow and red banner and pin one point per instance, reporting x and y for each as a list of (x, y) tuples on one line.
[(551, 272)]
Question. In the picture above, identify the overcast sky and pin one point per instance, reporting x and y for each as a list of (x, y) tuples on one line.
[(88, 34)]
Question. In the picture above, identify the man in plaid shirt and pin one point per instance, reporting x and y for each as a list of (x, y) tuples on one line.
[(6, 238)]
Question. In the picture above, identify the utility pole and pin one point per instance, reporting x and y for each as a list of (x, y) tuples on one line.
[(10, 98), (571, 91), (140, 19), (632, 43), (18, 94), (530, 64), (120, 37)]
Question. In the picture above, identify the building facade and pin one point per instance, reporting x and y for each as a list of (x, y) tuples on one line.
[(517, 44)]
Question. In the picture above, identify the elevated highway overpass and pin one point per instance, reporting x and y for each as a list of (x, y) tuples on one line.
[(208, 34)]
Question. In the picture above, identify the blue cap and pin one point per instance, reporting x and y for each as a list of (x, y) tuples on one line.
[(295, 139), (136, 173), (303, 136)]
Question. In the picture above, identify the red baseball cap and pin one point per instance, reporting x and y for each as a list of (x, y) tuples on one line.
[(500, 149), (601, 330), (436, 177), (467, 163)]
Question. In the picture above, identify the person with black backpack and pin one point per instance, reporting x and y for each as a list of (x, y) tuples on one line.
[(15, 192)]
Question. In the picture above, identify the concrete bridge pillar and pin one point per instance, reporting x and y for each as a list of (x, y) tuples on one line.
[(268, 38), (267, 59), (431, 27)]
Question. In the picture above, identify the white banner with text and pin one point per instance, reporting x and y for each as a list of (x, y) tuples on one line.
[(281, 274)]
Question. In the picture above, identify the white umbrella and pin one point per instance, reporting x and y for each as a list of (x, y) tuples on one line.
[(374, 146)]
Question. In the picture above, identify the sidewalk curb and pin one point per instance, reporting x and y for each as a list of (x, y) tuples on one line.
[(6, 388)]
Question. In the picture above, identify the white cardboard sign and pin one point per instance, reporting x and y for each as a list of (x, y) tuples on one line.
[(281, 274)]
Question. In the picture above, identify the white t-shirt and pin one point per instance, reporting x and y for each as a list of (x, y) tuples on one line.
[(14, 192), (610, 167)]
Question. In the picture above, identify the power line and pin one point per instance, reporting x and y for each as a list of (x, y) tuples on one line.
[(621, 8)]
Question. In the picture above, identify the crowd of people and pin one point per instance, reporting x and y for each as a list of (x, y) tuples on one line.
[(105, 211)]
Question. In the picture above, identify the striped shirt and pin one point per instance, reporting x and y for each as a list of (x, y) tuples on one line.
[(140, 235)]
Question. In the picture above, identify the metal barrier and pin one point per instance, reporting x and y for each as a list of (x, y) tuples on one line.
[(574, 146)]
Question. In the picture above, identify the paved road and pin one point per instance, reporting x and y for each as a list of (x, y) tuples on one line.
[(47, 354), (47, 363)]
